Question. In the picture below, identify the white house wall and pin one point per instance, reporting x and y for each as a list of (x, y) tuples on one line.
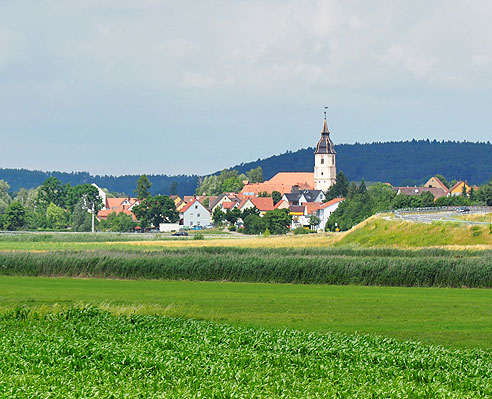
[(196, 215)]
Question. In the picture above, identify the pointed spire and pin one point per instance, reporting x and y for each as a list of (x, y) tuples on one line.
[(325, 125), (325, 128)]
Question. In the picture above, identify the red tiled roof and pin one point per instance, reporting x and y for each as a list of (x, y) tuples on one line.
[(282, 182), (104, 213), (113, 203), (228, 204), (331, 202), (264, 204), (188, 206)]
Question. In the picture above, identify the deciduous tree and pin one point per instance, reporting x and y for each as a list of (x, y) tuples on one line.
[(155, 210), (14, 217)]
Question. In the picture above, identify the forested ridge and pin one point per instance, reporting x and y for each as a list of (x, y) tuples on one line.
[(398, 163)]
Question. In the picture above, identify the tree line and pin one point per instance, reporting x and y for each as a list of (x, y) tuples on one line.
[(57, 206), (362, 202)]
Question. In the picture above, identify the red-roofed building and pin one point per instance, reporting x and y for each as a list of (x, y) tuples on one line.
[(325, 210), (435, 182), (194, 214), (282, 204), (283, 182), (118, 205), (263, 204)]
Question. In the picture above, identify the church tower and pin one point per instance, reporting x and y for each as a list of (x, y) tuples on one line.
[(325, 167)]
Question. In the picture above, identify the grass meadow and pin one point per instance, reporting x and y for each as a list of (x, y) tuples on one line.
[(450, 317)]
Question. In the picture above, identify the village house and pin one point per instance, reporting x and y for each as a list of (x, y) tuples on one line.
[(263, 204), (178, 202), (118, 205), (301, 196), (325, 210), (282, 204), (457, 189), (224, 202), (410, 191), (435, 182), (194, 214)]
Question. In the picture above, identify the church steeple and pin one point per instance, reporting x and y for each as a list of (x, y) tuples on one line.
[(325, 169), (325, 145)]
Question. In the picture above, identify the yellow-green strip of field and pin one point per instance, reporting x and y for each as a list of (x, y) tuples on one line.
[(449, 317)]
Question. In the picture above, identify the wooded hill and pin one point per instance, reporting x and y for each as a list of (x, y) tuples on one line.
[(399, 163)]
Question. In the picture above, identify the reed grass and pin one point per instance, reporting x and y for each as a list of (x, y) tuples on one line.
[(434, 268)]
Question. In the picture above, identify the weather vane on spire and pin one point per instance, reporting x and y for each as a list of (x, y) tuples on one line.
[(325, 112)]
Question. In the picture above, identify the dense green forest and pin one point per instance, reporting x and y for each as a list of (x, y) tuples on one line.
[(23, 178), (399, 163)]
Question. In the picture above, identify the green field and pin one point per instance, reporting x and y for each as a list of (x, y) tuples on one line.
[(88, 353), (81, 316), (451, 317)]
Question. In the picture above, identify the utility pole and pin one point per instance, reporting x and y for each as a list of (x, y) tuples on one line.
[(92, 212)]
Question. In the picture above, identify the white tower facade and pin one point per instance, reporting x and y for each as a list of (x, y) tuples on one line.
[(325, 165)]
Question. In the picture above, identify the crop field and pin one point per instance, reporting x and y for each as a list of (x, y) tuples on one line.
[(114, 316), (84, 352)]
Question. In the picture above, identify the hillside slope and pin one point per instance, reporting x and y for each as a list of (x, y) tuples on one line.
[(378, 232)]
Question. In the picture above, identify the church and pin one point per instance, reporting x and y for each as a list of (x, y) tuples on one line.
[(323, 177)]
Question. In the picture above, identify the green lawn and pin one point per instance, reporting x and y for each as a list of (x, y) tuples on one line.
[(449, 317)]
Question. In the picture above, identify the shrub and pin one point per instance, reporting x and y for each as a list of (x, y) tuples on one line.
[(266, 233), (254, 224), (240, 230), (199, 236), (300, 230), (232, 228)]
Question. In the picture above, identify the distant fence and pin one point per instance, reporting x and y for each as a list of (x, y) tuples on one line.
[(484, 209)]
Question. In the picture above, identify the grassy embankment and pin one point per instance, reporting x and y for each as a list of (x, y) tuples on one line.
[(89, 353), (377, 232)]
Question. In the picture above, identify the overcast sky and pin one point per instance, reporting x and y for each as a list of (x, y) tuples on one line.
[(180, 87)]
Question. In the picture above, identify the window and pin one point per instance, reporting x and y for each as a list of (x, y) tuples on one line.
[(191, 223), (196, 206), (321, 173), (198, 215), (322, 161), (333, 161), (198, 223)]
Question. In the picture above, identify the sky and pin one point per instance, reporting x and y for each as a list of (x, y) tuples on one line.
[(190, 87)]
